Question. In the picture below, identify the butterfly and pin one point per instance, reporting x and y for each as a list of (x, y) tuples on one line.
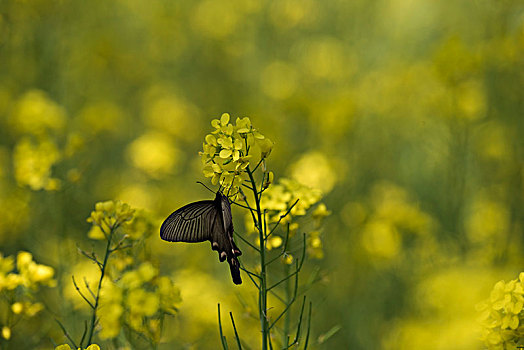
[(208, 220)]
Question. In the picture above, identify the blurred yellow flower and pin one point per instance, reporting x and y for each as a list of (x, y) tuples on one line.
[(142, 303), (315, 169), (169, 294), (83, 271), (33, 163), (155, 154), (141, 225), (17, 308), (111, 310), (6, 332), (381, 239), (35, 113), (273, 242), (31, 274), (67, 347)]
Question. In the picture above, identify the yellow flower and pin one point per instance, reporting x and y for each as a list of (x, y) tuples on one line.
[(6, 264), (243, 126), (142, 303), (142, 225), (109, 214), (266, 146), (67, 347), (222, 125), (288, 259), (63, 347), (147, 272), (500, 314), (35, 113), (169, 294), (314, 245), (111, 310), (17, 308), (273, 242), (155, 153), (320, 211), (6, 332), (269, 179), (225, 151), (33, 163), (131, 280), (31, 273)]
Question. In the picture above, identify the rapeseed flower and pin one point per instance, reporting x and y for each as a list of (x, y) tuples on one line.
[(132, 293), (278, 200), (110, 214), (229, 149), (19, 283), (67, 347), (33, 164), (501, 314), (139, 297)]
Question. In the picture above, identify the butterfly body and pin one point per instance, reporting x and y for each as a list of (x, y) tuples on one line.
[(208, 220)]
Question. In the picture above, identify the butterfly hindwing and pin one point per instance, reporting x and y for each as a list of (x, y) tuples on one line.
[(206, 221)]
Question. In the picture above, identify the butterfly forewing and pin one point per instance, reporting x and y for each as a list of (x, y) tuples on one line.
[(191, 223)]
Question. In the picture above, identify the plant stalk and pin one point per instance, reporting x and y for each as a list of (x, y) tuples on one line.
[(263, 278), (102, 274)]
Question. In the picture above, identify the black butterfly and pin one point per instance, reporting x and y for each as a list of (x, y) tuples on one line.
[(206, 221)]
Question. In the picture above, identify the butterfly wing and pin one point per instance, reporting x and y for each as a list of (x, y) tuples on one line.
[(191, 223), (206, 221)]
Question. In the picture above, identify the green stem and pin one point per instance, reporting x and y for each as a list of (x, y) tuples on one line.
[(287, 319), (102, 274), (263, 279)]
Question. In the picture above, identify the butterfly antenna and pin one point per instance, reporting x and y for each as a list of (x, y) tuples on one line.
[(198, 182)]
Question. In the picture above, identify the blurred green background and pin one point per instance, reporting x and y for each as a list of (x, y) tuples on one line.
[(408, 115)]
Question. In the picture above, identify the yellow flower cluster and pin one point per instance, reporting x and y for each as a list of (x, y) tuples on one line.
[(36, 114), (139, 299), (36, 118), (33, 163), (228, 150), (30, 276), (67, 347), (278, 199), (109, 215), (501, 315), (140, 225)]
